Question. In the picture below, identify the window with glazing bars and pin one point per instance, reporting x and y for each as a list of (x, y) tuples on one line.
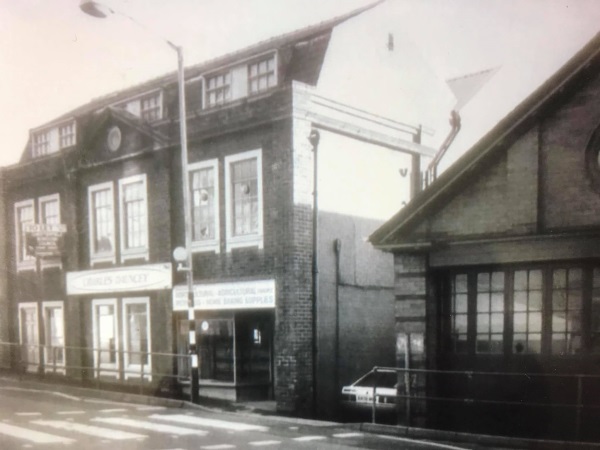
[(151, 107), (490, 312), (527, 311), (261, 75), (459, 313), (218, 89), (50, 211), (24, 216), (67, 135), (244, 188), (102, 209), (41, 143), (566, 310), (134, 210), (203, 204)]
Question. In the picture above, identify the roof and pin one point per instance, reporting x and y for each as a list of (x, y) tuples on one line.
[(207, 66), (497, 140)]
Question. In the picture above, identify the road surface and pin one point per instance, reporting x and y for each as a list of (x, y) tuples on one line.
[(43, 419)]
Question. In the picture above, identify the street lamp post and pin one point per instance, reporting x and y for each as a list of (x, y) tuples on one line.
[(181, 255)]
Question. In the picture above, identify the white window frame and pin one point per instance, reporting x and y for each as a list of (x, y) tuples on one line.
[(113, 368), (41, 147), (254, 240), (60, 367), (264, 57), (138, 252), (133, 104), (209, 244), (67, 130), (49, 262), (133, 370), (31, 366), (23, 262), (159, 98), (98, 257), (205, 89)]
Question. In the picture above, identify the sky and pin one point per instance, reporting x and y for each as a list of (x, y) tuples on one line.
[(53, 58)]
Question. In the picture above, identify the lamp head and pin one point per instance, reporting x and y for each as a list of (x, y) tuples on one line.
[(94, 9)]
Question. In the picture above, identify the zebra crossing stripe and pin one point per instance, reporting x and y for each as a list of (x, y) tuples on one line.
[(263, 443), (348, 435), (36, 437), (217, 447), (309, 438), (91, 430), (152, 426), (212, 423)]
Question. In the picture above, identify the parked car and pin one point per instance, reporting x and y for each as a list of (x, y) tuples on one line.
[(359, 395)]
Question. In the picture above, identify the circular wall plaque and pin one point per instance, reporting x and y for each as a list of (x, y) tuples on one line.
[(114, 139)]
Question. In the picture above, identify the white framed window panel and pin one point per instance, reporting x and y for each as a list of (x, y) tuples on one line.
[(54, 336), (67, 135), (29, 336), (229, 83), (49, 212), (262, 74), (244, 200), (106, 337), (101, 217), (24, 214), (136, 338), (151, 106), (133, 212), (147, 106), (204, 199)]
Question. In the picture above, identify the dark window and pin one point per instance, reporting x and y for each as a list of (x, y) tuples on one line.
[(527, 310)]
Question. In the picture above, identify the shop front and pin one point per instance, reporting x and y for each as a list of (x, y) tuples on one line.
[(234, 335), (124, 308)]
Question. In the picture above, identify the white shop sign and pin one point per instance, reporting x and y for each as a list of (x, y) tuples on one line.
[(120, 279), (241, 295)]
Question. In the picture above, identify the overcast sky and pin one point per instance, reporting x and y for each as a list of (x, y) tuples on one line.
[(54, 58)]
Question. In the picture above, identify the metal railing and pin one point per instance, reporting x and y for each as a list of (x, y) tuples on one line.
[(565, 400), (150, 370)]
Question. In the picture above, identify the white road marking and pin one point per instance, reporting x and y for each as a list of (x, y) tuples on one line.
[(348, 435), (309, 438), (36, 437), (415, 441), (28, 414), (213, 423), (142, 424), (218, 446), (151, 408), (263, 443), (104, 433), (65, 413), (114, 410)]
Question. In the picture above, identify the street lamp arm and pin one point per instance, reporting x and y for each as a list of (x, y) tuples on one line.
[(101, 11)]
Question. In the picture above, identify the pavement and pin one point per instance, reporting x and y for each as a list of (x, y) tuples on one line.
[(268, 408)]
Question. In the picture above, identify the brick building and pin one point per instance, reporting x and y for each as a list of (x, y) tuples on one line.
[(497, 267), (111, 308)]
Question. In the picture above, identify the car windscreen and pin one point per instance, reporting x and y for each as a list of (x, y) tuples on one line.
[(379, 379)]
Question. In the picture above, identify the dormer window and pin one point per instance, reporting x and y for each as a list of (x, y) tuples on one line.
[(67, 135), (41, 143), (50, 140), (250, 77), (148, 107), (261, 75), (218, 89), (151, 107)]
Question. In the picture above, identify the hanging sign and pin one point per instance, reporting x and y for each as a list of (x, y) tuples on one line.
[(43, 239)]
